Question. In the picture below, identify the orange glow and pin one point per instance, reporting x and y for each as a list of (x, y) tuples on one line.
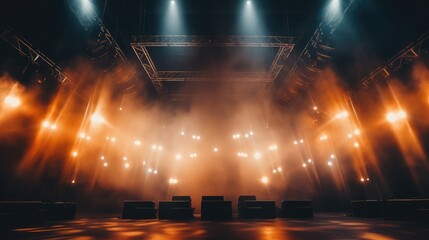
[(341, 115), (97, 118), (126, 165), (105, 164), (172, 181), (74, 153), (304, 165)]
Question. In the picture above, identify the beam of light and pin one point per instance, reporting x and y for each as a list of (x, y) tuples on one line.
[(265, 180), (46, 124), (97, 118), (396, 116), (82, 135), (173, 23), (250, 23), (315, 108), (86, 6), (12, 101), (324, 137)]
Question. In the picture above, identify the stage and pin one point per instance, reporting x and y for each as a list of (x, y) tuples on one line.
[(323, 226)]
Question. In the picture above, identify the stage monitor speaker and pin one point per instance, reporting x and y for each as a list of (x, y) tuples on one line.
[(175, 210), (135, 209), (212, 198), (257, 209), (296, 209)]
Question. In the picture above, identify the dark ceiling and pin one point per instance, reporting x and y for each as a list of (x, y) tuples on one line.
[(370, 33)]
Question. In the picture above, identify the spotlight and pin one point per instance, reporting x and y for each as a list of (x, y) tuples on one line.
[(215, 149), (105, 164), (362, 179), (309, 160), (324, 137), (160, 148), (155, 172), (257, 155), (102, 157), (137, 143), (279, 169), (74, 153), (367, 179), (12, 101), (396, 116), (154, 147), (274, 171), (46, 124), (246, 135), (251, 133), (350, 135), (182, 133), (330, 163), (172, 2), (97, 118), (125, 158), (249, 3), (301, 141), (264, 180), (172, 181), (88, 138), (82, 135), (332, 156), (53, 127), (126, 165), (356, 144), (178, 156), (356, 132), (342, 115), (295, 142), (73, 181), (113, 139), (304, 165), (315, 108), (150, 170)]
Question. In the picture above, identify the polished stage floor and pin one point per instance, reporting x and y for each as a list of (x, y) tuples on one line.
[(323, 226)]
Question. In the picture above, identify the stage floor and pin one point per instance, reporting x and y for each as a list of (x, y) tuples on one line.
[(323, 226)]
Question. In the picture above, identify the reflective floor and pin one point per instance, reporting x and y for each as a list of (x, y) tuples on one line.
[(323, 226)]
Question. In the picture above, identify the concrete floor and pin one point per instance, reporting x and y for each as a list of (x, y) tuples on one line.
[(323, 226)]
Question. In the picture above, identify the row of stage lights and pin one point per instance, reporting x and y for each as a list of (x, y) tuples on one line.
[(248, 2)]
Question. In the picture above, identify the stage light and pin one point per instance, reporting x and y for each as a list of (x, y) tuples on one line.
[(264, 180), (332, 156), (155, 172), (356, 144), (304, 165), (160, 148), (356, 132), (82, 135), (126, 165), (105, 164), (350, 135), (144, 163), (137, 143), (295, 142), (198, 138), (215, 149), (125, 158), (396, 116), (182, 133), (301, 141), (97, 118), (86, 5), (150, 170), (279, 169), (88, 138), (251, 133), (309, 160), (172, 181), (194, 137), (342, 115), (73, 181), (246, 135), (113, 139), (272, 147), (274, 171), (362, 179), (178, 156), (12, 101), (102, 157), (329, 163), (315, 108), (324, 137), (172, 2), (120, 109), (53, 127), (74, 153), (367, 179), (46, 124), (249, 3), (257, 155)]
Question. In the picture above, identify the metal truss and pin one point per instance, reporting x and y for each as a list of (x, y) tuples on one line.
[(140, 44), (36, 57), (294, 80), (91, 22), (406, 56)]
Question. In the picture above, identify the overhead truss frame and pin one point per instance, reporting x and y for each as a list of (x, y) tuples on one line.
[(140, 44)]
